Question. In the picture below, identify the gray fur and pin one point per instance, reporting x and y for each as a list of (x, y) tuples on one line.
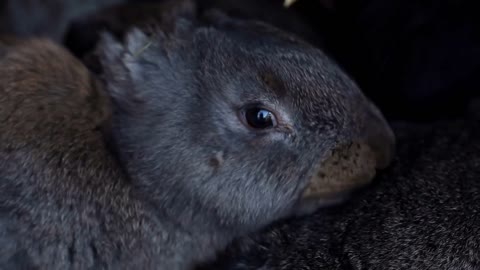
[(423, 213), (191, 177)]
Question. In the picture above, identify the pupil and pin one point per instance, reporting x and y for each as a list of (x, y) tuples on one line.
[(259, 118), (263, 116)]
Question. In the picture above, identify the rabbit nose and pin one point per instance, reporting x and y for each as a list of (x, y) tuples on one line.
[(369, 145), (347, 167), (375, 131)]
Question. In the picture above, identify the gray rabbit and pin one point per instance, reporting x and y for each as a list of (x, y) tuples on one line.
[(215, 131), (422, 213)]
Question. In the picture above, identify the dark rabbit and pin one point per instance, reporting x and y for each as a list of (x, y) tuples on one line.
[(422, 213), (218, 131)]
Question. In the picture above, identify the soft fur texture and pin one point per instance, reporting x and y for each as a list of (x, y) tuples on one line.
[(423, 213), (191, 175), (177, 96)]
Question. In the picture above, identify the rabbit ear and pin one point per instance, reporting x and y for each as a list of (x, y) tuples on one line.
[(137, 42), (120, 65), (124, 63)]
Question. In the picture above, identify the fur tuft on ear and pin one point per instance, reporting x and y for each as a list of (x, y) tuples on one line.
[(123, 62), (118, 65), (137, 42), (109, 48)]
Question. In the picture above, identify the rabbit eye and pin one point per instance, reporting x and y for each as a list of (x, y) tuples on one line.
[(259, 118)]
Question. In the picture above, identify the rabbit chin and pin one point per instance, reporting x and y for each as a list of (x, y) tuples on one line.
[(308, 205)]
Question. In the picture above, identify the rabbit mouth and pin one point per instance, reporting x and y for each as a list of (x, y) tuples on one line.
[(308, 205), (346, 169)]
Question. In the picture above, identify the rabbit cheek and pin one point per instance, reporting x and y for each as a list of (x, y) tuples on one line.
[(216, 160), (345, 169)]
